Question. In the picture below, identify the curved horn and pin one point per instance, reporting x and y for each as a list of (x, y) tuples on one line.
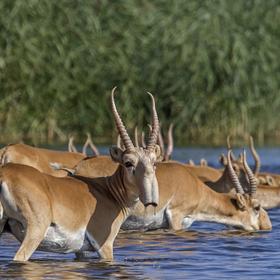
[(256, 157), (136, 136), (170, 143), (155, 126), (233, 175), (84, 151), (143, 141), (160, 142), (71, 146), (228, 143), (119, 141), (230, 148), (120, 126), (252, 179), (89, 142), (191, 162), (150, 128)]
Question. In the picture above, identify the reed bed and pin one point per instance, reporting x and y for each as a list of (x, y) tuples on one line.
[(213, 66)]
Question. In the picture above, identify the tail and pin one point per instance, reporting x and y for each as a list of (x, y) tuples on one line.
[(58, 166)]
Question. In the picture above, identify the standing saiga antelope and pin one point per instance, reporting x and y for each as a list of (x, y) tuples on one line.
[(68, 215)]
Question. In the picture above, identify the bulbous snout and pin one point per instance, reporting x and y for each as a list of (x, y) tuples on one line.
[(264, 220), (149, 193)]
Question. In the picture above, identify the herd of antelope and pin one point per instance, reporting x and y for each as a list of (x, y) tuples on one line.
[(69, 202)]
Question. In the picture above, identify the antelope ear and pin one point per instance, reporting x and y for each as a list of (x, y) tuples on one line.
[(270, 181), (116, 154), (158, 152), (223, 160), (241, 202), (261, 180)]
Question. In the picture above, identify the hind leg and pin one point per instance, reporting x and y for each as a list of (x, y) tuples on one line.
[(2, 225), (35, 233), (3, 219)]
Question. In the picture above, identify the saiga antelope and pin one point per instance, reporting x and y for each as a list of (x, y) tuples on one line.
[(68, 215)]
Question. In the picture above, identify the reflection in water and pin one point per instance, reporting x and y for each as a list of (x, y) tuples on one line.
[(207, 251)]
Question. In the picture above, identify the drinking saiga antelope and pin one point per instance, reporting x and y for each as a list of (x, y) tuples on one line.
[(268, 196), (68, 215)]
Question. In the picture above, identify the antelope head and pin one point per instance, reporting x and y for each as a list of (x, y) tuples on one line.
[(138, 163), (250, 212)]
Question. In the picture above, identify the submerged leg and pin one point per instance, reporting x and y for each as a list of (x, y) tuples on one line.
[(175, 219), (35, 233), (3, 219)]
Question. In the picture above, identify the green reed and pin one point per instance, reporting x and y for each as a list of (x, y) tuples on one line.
[(213, 66)]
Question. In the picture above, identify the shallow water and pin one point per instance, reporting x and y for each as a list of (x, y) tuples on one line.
[(206, 251)]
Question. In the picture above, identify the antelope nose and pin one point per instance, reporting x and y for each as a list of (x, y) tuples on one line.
[(154, 204)]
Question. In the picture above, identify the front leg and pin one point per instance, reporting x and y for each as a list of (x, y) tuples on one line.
[(101, 232), (106, 252), (175, 219)]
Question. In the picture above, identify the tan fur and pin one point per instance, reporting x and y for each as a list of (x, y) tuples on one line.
[(268, 196), (204, 173), (33, 201), (39, 158)]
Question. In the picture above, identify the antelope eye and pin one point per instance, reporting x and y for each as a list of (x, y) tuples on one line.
[(128, 164), (257, 208)]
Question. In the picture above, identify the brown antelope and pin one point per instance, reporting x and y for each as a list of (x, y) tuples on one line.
[(268, 196), (204, 173), (184, 198), (39, 158), (69, 215), (264, 178)]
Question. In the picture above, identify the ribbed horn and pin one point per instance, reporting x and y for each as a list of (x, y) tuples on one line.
[(89, 143), (228, 143), (252, 179), (136, 137), (150, 129), (71, 146), (120, 126), (155, 126), (170, 143), (233, 176), (229, 147), (84, 151), (119, 141), (143, 141), (160, 142), (256, 157)]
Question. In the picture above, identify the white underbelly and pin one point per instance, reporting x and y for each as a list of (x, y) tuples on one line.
[(56, 239), (146, 222)]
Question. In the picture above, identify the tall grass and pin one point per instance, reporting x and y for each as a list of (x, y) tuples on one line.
[(213, 66)]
